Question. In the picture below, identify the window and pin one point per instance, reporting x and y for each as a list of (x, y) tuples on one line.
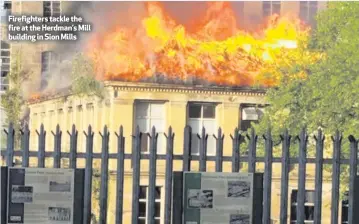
[(250, 114), (147, 115), (143, 205), (202, 115), (5, 10), (307, 11), (5, 65), (270, 7), (52, 8), (308, 206), (345, 208), (48, 62)]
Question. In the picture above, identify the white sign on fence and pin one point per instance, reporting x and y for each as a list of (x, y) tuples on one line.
[(40, 195), (218, 198)]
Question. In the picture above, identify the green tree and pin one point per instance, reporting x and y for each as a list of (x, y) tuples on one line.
[(12, 100), (328, 96), (83, 77)]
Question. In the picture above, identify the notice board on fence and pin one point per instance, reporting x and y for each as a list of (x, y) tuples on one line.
[(221, 198), (43, 195)]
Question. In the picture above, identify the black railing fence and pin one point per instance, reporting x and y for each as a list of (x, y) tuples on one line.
[(186, 158)]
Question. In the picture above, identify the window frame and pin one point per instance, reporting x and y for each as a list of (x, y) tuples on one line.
[(5, 84), (266, 12), (293, 203), (306, 10), (160, 149), (51, 8), (157, 200), (249, 105), (201, 119)]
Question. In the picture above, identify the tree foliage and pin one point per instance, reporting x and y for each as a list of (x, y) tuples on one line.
[(328, 96), (83, 77)]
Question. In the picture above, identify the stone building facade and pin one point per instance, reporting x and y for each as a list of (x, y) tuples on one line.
[(145, 105)]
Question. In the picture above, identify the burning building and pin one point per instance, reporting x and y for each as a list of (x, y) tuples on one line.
[(157, 72)]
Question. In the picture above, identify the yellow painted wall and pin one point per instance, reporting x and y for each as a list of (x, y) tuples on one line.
[(116, 111)]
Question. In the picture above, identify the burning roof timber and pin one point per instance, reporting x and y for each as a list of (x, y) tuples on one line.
[(211, 55)]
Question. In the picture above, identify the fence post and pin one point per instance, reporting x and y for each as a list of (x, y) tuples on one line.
[(41, 150), (136, 174), (203, 150), (303, 138), (88, 175), (104, 176), (73, 146), (152, 177), (10, 145), (120, 175), (57, 147), (268, 159), (235, 150), (337, 139), (252, 151), (352, 175), (318, 177), (168, 181), (284, 177), (219, 150), (25, 137), (187, 148)]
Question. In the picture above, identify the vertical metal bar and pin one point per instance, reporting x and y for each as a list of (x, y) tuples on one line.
[(177, 203), (219, 151), (104, 176), (88, 176), (352, 175), (235, 150), (203, 151), (268, 159), (284, 178), (252, 151), (303, 138), (57, 147), (120, 175), (136, 175), (25, 146), (335, 177), (152, 180), (168, 181), (10, 145), (41, 151), (318, 177), (73, 147), (186, 165)]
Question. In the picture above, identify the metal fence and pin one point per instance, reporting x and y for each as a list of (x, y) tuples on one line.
[(236, 158)]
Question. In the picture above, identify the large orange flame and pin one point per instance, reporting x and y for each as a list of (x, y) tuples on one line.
[(213, 49)]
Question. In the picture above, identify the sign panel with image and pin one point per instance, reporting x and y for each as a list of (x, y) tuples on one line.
[(218, 198), (40, 195)]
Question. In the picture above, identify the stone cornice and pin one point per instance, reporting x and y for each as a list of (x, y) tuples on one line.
[(171, 88)]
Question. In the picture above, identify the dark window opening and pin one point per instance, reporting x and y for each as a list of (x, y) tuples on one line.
[(51, 8), (308, 206), (5, 65), (143, 204)]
